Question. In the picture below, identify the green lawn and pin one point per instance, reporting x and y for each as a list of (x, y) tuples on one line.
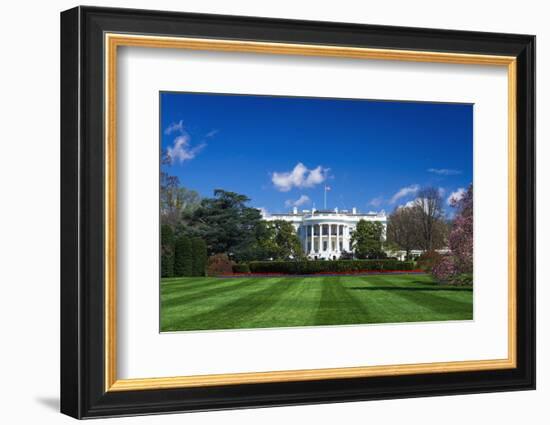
[(236, 303)]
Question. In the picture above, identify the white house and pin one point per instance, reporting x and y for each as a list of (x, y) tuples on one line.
[(325, 234)]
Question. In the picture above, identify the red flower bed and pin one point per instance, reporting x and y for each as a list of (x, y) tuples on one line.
[(347, 273)]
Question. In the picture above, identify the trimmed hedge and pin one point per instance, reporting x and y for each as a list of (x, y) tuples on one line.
[(241, 268), (338, 266), (183, 257), (199, 257), (166, 251)]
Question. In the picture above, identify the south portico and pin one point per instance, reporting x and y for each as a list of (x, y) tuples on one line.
[(324, 238)]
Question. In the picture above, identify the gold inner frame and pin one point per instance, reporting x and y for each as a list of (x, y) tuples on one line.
[(113, 41)]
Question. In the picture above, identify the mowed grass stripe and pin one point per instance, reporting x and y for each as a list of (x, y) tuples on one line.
[(196, 304), (386, 307), (337, 301), (379, 306), (418, 301), (442, 299), (229, 310), (296, 306), (197, 293), (188, 284)]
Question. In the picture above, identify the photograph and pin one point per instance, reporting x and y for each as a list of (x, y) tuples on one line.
[(288, 211)]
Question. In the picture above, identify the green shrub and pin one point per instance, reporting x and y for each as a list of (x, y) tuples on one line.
[(199, 255), (241, 268), (183, 257), (319, 266), (463, 279), (219, 264), (166, 251)]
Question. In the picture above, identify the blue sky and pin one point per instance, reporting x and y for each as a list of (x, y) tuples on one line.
[(283, 151)]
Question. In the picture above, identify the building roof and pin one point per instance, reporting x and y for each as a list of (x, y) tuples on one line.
[(352, 213)]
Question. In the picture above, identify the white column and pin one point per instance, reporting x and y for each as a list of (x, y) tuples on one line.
[(337, 237), (328, 231), (321, 237), (330, 238), (312, 228)]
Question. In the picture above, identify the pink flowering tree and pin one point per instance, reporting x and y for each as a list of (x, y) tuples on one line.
[(461, 241), (444, 270)]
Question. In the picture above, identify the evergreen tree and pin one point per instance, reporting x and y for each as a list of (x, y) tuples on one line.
[(198, 248), (167, 251), (183, 259), (224, 222)]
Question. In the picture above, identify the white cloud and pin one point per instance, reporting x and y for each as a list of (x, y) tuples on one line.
[(376, 202), (456, 196), (181, 149), (211, 133), (300, 177), (444, 171), (417, 202), (174, 127), (409, 204), (404, 191), (302, 200)]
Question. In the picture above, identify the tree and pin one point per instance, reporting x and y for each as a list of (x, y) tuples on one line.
[(174, 199), (271, 240), (457, 267), (429, 208), (183, 257), (200, 257), (287, 241), (403, 229), (224, 222), (461, 239), (259, 246), (366, 239), (167, 251)]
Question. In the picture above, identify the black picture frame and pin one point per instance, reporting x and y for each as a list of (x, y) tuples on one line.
[(83, 392)]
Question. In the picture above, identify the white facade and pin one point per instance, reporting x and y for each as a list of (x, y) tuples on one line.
[(326, 234)]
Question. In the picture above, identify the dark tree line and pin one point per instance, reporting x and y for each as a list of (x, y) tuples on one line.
[(224, 224), (229, 226)]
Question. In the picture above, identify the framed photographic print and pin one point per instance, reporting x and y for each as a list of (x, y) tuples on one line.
[(261, 212)]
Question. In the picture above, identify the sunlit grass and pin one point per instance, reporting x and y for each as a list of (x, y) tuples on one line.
[(250, 302)]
